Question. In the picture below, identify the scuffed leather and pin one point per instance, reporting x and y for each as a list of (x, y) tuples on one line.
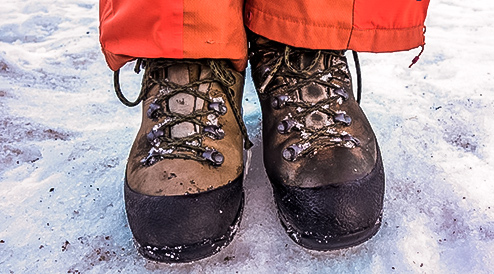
[(181, 210), (328, 166), (334, 198), (179, 176)]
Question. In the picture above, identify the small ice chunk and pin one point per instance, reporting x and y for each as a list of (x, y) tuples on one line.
[(326, 77)]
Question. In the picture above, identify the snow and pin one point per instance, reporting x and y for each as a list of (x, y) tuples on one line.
[(64, 139)]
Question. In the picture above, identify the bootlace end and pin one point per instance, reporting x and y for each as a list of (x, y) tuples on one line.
[(416, 59)]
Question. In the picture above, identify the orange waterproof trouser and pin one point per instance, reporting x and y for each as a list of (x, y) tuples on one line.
[(216, 29)]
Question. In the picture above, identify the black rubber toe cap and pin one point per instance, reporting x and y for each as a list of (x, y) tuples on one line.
[(187, 227), (333, 216)]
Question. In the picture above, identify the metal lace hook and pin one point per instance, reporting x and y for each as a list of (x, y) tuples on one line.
[(227, 79)]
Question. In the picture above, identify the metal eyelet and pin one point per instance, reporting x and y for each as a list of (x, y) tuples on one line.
[(343, 119), (279, 101), (154, 134), (350, 141), (214, 132), (218, 107), (341, 92), (286, 126), (153, 111), (213, 156), (292, 152)]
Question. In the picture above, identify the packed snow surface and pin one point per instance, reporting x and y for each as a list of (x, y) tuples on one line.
[(64, 140)]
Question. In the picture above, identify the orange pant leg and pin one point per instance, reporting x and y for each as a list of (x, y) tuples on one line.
[(201, 29), (172, 29), (361, 25)]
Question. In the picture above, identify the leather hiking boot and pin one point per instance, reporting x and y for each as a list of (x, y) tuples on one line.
[(320, 152), (183, 185)]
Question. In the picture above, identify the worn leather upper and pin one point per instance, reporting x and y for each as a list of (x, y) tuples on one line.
[(280, 71), (179, 176)]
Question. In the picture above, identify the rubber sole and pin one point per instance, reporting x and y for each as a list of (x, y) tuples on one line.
[(328, 243)]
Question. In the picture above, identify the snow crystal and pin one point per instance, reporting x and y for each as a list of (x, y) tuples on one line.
[(212, 119), (326, 77), (218, 100)]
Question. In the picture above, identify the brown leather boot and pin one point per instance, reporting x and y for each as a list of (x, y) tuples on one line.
[(183, 186), (320, 152)]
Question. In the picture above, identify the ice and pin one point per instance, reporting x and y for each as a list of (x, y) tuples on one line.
[(65, 137)]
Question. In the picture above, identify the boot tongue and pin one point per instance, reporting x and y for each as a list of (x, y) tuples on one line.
[(305, 60), (301, 60), (183, 103)]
